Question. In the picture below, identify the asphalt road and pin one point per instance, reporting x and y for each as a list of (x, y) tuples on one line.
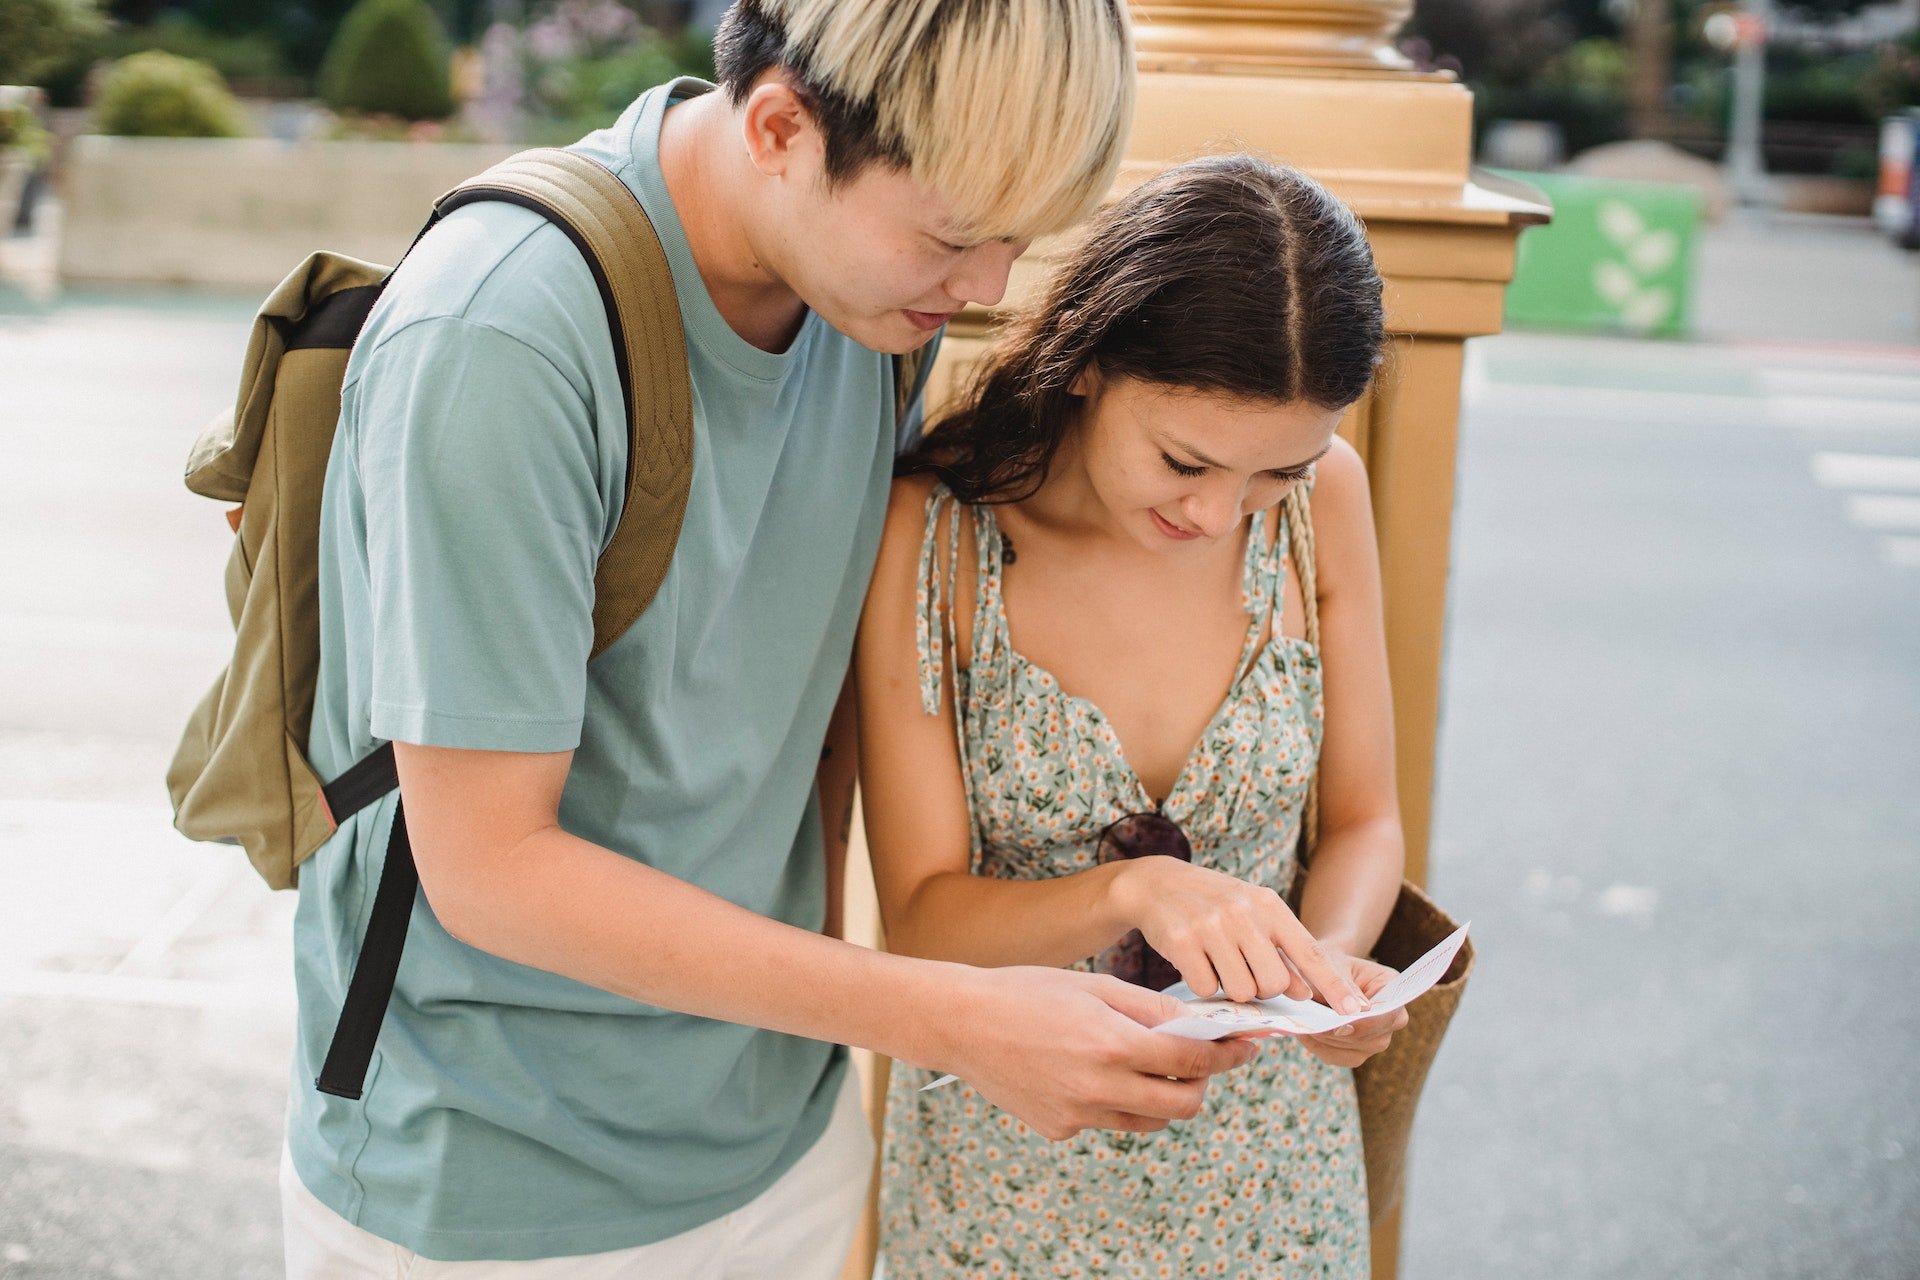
[(1679, 798)]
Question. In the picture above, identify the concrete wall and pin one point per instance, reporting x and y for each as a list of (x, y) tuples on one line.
[(243, 212)]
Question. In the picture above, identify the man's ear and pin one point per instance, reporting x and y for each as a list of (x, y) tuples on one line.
[(780, 132)]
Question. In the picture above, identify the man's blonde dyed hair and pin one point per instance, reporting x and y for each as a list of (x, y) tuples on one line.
[(1014, 112)]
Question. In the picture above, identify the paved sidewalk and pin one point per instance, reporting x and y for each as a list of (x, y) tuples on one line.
[(145, 1010)]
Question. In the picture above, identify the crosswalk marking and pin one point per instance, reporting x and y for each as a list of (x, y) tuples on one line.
[(1881, 473), (1823, 413), (1883, 497), (1884, 512), (172, 993), (1840, 385), (1902, 552)]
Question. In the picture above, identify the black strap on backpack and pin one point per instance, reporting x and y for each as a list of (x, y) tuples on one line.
[(344, 1073)]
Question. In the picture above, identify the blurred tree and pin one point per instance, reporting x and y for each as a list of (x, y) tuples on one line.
[(161, 95), (389, 58), (302, 28), (1650, 87), (1824, 10), (1493, 41), (585, 60), (1893, 81), (37, 36)]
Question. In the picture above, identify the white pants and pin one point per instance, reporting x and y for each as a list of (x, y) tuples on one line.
[(797, 1229)]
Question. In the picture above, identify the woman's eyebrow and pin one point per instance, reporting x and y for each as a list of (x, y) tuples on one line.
[(1302, 466)]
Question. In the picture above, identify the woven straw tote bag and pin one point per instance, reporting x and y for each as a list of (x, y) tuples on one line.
[(1388, 1083)]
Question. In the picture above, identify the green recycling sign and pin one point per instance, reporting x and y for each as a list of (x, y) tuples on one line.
[(1618, 257)]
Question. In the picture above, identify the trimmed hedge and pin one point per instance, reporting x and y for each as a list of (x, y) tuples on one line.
[(389, 58), (160, 95)]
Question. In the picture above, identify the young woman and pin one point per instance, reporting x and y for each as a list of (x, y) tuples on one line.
[(1089, 716)]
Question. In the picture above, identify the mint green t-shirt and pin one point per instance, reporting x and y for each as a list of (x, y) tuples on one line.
[(478, 472)]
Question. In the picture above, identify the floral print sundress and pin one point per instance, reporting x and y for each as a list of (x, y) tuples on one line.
[(1268, 1180)]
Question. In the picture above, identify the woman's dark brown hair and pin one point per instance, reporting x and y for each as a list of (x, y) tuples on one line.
[(1228, 274)]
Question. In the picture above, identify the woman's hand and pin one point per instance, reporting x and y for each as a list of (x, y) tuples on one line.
[(1227, 936), (1353, 1044)]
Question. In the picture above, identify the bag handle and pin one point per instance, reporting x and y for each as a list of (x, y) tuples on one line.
[(1300, 550)]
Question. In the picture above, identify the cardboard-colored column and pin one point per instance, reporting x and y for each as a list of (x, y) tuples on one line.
[(1318, 84)]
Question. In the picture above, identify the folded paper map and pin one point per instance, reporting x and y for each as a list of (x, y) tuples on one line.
[(1218, 1019)]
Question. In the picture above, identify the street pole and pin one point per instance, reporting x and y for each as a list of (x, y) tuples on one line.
[(1746, 167), (1650, 43)]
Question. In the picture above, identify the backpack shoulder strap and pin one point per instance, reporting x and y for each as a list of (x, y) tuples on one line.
[(604, 219)]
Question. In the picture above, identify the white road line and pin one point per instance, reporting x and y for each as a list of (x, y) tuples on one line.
[(1882, 473), (1901, 552), (1829, 413), (116, 636), (1590, 404), (1626, 404), (1892, 514), (1828, 384), (171, 993), (145, 956)]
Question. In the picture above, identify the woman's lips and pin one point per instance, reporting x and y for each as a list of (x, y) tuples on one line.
[(929, 320), (1171, 530)]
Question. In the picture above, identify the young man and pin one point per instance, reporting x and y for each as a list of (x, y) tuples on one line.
[(614, 1038)]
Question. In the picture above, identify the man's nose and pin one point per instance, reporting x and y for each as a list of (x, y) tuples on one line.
[(981, 276)]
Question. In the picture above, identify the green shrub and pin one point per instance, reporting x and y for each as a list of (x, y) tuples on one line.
[(161, 95), (585, 61), (1893, 80), (1857, 164), (1802, 90), (389, 58), (253, 56), (1824, 93), (37, 36), (20, 131), (1596, 64), (575, 96)]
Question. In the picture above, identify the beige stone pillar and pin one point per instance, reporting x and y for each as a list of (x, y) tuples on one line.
[(1318, 84)]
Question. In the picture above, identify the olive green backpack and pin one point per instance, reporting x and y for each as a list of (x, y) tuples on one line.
[(241, 774)]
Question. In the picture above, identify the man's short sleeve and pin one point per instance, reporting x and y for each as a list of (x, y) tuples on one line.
[(478, 461)]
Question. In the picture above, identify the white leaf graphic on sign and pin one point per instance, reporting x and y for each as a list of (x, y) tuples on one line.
[(1654, 252), (1621, 222), (1614, 282), (1647, 309)]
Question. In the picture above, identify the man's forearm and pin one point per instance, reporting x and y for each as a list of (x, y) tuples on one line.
[(570, 907)]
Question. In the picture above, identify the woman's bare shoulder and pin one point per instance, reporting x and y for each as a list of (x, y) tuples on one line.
[(912, 491), (906, 523), (904, 540), (1346, 548), (1340, 479)]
